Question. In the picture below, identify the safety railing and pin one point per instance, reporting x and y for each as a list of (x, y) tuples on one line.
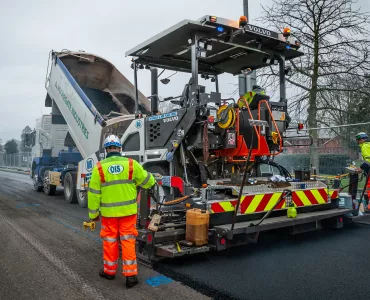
[(273, 122)]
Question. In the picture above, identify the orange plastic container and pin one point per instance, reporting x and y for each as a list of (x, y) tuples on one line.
[(197, 224)]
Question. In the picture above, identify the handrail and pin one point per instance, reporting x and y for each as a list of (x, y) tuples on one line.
[(273, 120)]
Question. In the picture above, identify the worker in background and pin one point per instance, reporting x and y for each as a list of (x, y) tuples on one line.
[(249, 96), (361, 139), (254, 97), (112, 194)]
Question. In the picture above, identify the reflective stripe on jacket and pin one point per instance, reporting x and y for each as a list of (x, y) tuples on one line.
[(113, 187)]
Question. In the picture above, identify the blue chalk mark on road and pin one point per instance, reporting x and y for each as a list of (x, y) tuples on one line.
[(22, 204), (156, 281)]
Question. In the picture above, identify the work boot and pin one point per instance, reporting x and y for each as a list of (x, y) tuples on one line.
[(105, 275), (131, 281)]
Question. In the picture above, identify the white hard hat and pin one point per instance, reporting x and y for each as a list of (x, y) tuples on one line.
[(361, 135), (112, 140)]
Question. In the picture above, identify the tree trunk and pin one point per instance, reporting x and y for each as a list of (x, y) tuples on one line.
[(312, 111)]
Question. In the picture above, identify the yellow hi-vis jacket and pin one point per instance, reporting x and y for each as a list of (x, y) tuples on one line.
[(113, 187), (365, 151), (249, 96)]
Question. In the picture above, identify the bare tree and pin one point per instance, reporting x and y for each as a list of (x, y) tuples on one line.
[(336, 44)]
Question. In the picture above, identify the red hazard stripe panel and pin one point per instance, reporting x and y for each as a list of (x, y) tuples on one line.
[(282, 202), (264, 202), (311, 197), (323, 194), (280, 205), (217, 208), (101, 173), (262, 205), (245, 202), (130, 168), (334, 195), (296, 200)]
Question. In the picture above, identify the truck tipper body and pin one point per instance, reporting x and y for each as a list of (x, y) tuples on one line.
[(92, 98)]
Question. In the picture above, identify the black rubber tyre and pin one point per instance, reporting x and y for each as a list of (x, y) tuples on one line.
[(49, 189), (82, 198), (70, 192), (36, 187)]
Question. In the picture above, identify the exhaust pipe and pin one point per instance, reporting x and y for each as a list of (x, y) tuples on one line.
[(282, 78), (154, 84)]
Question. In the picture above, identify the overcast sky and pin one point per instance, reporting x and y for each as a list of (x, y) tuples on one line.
[(30, 29)]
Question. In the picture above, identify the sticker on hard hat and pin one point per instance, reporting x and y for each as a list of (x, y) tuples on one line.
[(115, 169)]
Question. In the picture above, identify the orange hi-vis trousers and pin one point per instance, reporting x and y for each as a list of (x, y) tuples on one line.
[(123, 228)]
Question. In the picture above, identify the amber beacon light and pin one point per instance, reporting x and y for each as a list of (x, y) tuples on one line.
[(286, 32), (243, 21)]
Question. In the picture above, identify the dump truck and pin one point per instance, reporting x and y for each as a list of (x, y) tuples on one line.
[(49, 153), (90, 97)]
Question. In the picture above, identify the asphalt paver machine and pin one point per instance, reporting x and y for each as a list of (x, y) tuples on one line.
[(216, 154)]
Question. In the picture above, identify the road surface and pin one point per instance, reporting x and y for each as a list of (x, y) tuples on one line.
[(46, 255)]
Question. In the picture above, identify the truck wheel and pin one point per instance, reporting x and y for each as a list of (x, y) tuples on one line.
[(70, 193), (36, 187), (82, 198), (49, 189)]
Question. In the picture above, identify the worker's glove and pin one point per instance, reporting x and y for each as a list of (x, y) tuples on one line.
[(96, 219), (151, 192)]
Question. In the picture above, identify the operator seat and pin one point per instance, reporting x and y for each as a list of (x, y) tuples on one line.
[(184, 97), (185, 94), (245, 128)]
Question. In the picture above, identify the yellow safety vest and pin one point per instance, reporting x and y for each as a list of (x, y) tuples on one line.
[(365, 151), (113, 187), (248, 96)]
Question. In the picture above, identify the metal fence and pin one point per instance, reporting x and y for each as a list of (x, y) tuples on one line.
[(20, 160), (335, 149)]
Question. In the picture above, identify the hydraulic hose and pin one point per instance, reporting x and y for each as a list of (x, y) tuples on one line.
[(284, 172)]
